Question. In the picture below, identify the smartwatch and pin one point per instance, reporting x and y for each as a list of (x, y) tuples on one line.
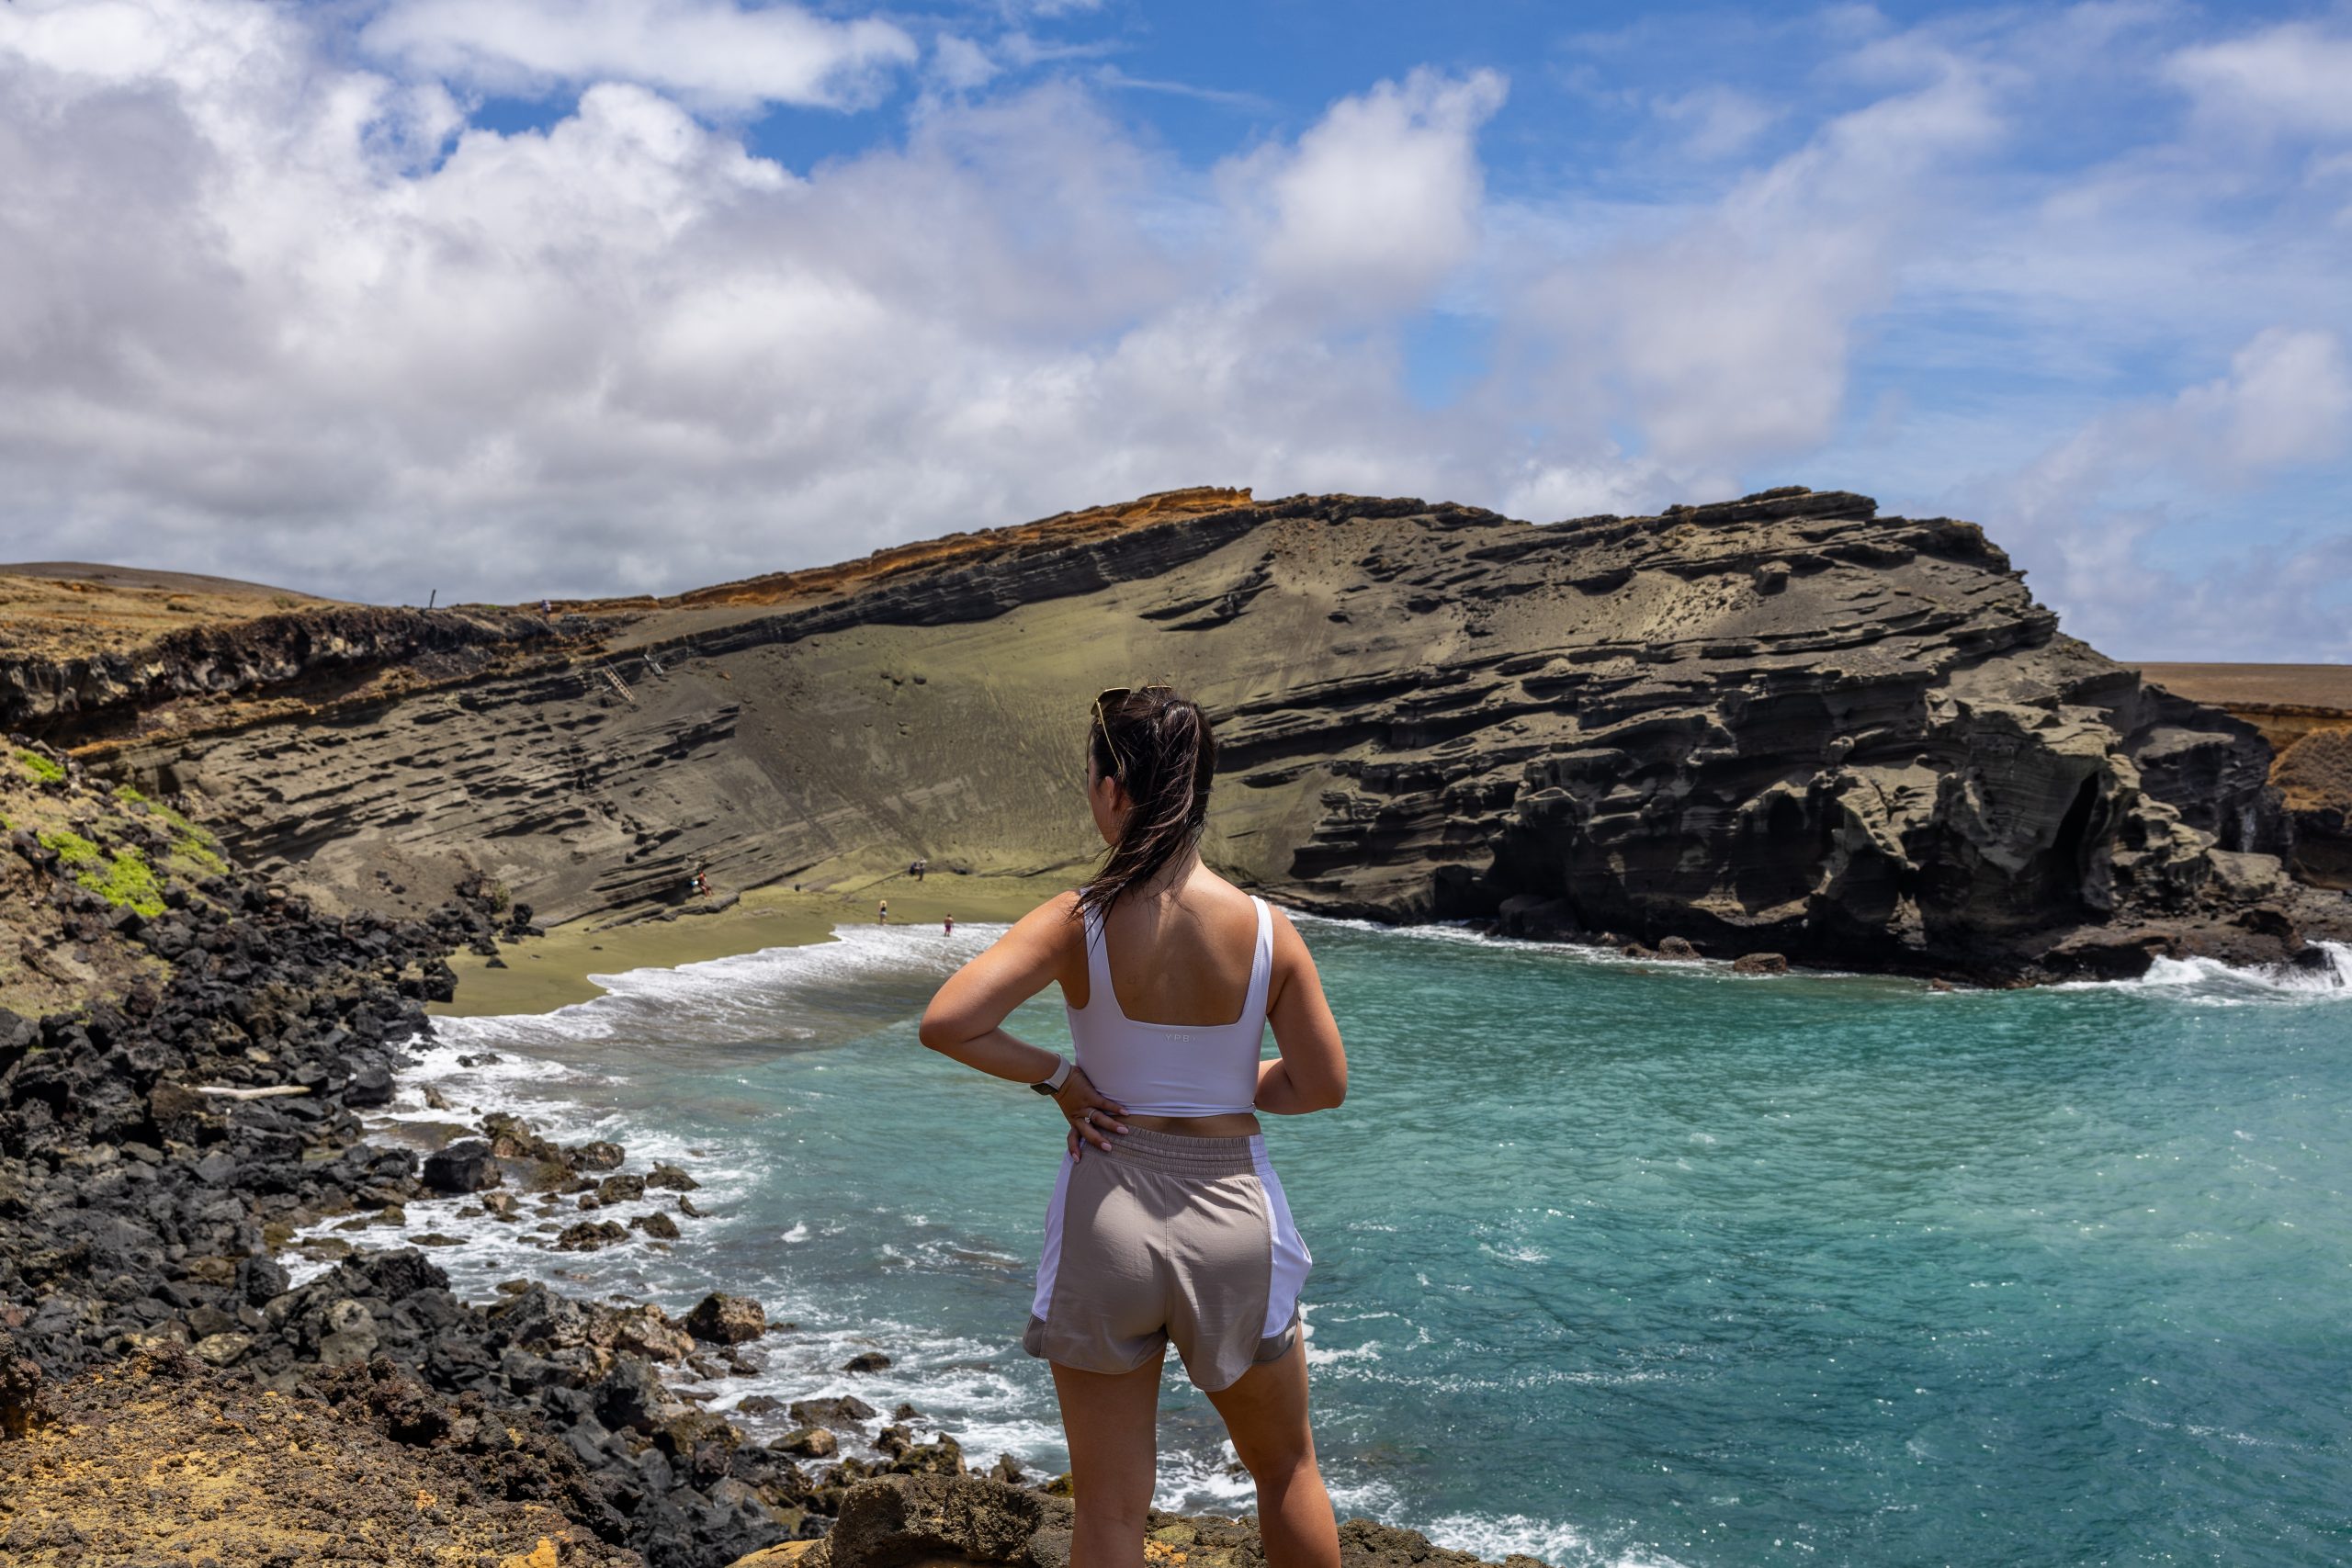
[(1052, 1083)]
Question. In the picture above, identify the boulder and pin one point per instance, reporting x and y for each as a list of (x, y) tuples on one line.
[(601, 1155), (620, 1190), (630, 1395), (841, 1415), (1759, 963), (807, 1443), (723, 1319), (589, 1235), (466, 1166), (964, 1518), (370, 1086)]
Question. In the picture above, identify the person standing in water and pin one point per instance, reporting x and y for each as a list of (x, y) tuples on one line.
[(951, 925), (1167, 1222), (882, 911)]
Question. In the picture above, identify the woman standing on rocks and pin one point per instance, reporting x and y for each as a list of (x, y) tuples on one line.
[(1168, 1221)]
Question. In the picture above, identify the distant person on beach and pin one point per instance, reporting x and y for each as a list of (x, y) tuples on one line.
[(1168, 1221), (951, 925), (882, 912)]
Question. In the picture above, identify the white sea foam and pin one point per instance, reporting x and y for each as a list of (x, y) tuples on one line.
[(1494, 1536), (2209, 982)]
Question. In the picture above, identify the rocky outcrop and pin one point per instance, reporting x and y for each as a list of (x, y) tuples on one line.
[(1783, 724), (944, 1519), (2314, 775), (308, 657)]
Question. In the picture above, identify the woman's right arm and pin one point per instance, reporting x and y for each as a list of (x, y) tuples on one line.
[(1311, 1073)]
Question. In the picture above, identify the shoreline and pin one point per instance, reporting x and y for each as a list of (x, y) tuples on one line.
[(542, 973)]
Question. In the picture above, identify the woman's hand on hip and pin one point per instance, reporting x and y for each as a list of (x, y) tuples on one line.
[(1090, 1116)]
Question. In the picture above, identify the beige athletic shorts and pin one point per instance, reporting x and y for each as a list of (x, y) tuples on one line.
[(1169, 1237)]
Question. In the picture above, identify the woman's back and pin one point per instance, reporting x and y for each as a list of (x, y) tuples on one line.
[(1181, 959), (1174, 999)]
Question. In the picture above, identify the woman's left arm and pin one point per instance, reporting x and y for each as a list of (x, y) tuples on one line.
[(966, 1019)]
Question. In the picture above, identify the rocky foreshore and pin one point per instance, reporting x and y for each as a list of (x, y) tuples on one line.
[(159, 1153)]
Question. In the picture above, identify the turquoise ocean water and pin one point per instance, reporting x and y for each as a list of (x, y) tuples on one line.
[(1615, 1262)]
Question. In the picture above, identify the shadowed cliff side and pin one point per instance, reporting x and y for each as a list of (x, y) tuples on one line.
[(1785, 723)]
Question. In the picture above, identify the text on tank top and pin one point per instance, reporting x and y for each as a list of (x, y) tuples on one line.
[(1172, 1069)]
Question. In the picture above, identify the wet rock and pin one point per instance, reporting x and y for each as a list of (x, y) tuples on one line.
[(659, 1225), (843, 1415), (723, 1319), (601, 1155), (671, 1177), (620, 1190), (589, 1235), (867, 1361), (1759, 963), (1677, 947), (463, 1167), (808, 1442)]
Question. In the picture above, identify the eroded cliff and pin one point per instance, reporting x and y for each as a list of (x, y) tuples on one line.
[(1781, 723)]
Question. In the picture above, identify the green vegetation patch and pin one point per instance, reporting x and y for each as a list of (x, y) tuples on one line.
[(42, 767), (125, 879), (130, 880), (71, 847)]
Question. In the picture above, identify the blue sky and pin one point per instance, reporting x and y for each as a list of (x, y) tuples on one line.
[(511, 297)]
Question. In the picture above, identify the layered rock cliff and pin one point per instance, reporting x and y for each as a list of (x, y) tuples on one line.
[(1781, 723)]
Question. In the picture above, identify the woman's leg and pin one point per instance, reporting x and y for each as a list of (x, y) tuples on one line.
[(1113, 1422), (1265, 1414)]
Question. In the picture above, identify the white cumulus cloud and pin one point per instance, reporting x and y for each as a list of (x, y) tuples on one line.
[(2295, 77), (712, 51), (1380, 201)]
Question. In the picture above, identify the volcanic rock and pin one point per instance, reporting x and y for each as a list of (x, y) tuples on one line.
[(723, 1319), (1782, 724)]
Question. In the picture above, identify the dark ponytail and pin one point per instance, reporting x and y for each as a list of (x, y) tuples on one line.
[(1158, 745)]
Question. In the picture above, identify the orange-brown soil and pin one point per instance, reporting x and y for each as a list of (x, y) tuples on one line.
[(2286, 701), (156, 1463), (64, 609)]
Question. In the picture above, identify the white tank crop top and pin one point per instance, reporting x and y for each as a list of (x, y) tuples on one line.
[(1172, 1069)]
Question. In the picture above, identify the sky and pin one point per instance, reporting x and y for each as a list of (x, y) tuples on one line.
[(494, 299)]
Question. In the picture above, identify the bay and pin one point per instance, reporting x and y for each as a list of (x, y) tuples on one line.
[(1615, 1262)]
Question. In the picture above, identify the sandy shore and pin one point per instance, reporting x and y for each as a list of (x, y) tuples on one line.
[(557, 970)]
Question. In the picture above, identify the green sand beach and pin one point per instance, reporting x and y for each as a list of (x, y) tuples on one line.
[(542, 973)]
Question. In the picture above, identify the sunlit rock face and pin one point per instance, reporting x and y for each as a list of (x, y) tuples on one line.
[(1782, 724)]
